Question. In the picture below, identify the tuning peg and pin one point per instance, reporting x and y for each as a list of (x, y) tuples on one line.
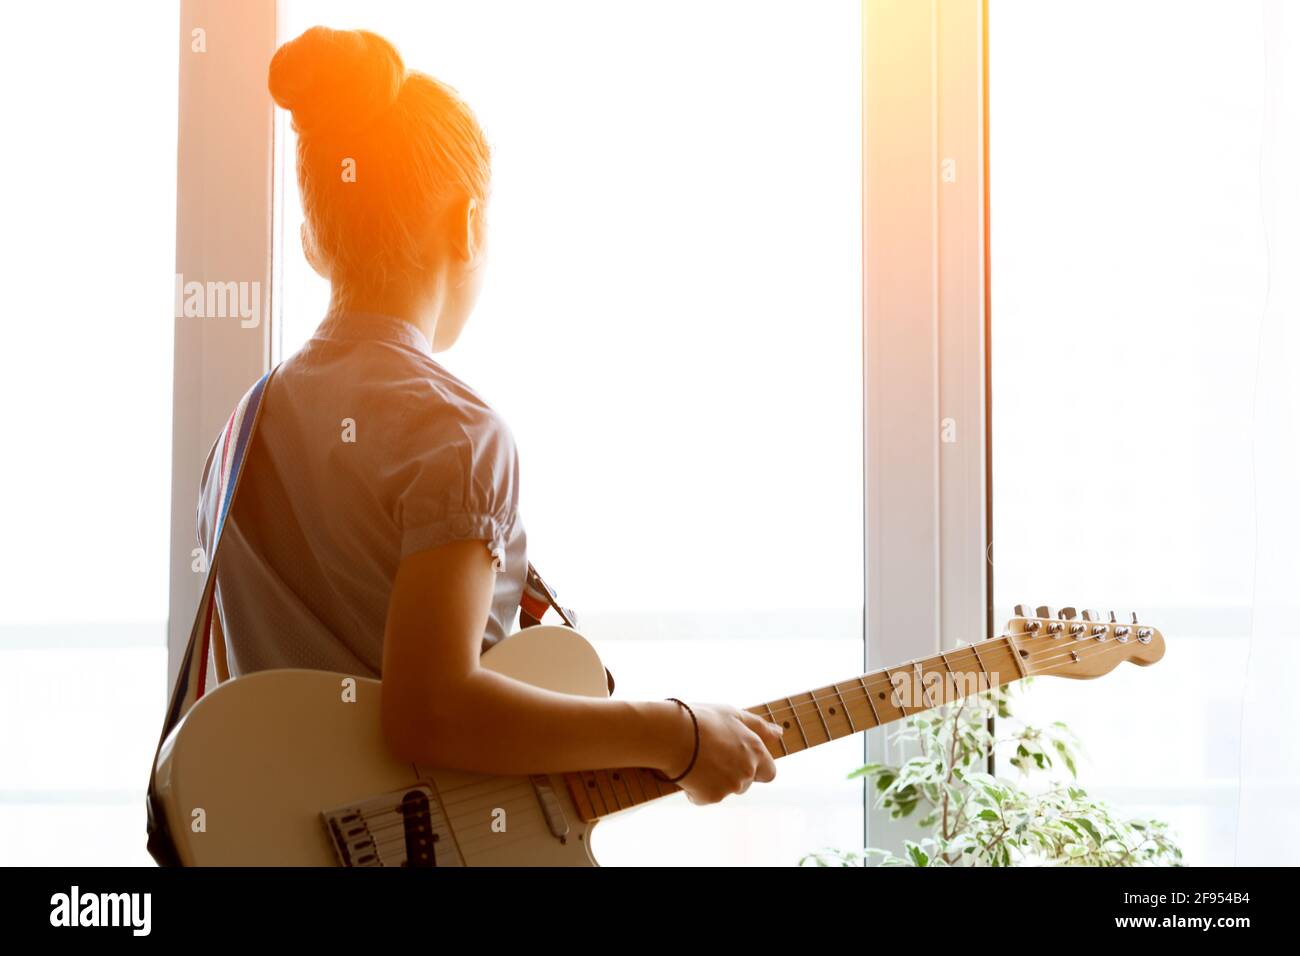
[(1098, 630), (1075, 629), (1032, 624), (1054, 626)]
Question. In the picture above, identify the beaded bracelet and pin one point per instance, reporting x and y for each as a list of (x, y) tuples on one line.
[(696, 753)]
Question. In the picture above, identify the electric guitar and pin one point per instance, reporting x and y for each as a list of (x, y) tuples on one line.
[(290, 767)]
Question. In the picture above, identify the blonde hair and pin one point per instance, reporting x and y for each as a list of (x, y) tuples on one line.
[(414, 148)]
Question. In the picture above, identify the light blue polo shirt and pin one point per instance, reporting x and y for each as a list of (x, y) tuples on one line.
[(367, 450)]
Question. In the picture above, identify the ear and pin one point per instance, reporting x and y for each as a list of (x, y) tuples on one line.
[(466, 229)]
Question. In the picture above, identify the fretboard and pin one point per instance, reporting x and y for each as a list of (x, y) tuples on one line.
[(823, 714)]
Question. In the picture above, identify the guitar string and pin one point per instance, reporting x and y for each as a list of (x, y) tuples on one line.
[(389, 837), (595, 792), (469, 837), (386, 836), (394, 832), (528, 797), (880, 680), (466, 847), (525, 793), (391, 843)]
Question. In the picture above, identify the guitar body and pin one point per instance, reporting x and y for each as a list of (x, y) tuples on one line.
[(280, 768)]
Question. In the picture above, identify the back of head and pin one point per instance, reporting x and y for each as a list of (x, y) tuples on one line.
[(383, 152)]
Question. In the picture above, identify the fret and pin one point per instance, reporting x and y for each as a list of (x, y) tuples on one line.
[(979, 660), (603, 792), (1015, 655), (848, 714), (820, 716), (606, 785), (587, 781), (948, 680), (798, 723), (646, 793), (1000, 675), (577, 792), (606, 795), (893, 693), (623, 776), (598, 793), (925, 691), (640, 773), (870, 703), (610, 780), (662, 787), (625, 779), (785, 751), (581, 799)]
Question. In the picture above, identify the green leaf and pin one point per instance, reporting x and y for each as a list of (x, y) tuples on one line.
[(867, 770), (1091, 827)]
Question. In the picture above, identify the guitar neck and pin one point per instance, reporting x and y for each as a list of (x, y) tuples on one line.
[(818, 716)]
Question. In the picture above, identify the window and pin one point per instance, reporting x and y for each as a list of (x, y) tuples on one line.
[(86, 375), (1128, 268), (672, 326)]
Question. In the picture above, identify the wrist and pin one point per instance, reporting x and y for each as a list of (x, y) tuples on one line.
[(674, 732)]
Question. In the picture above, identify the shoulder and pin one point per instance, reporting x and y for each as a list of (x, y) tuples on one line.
[(459, 474), (440, 406)]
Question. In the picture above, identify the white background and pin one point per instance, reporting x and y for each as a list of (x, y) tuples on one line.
[(680, 240)]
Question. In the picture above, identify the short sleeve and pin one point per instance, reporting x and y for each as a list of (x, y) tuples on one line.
[(459, 480)]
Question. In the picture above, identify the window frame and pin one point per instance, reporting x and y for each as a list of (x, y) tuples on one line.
[(928, 560), (927, 581), (225, 147)]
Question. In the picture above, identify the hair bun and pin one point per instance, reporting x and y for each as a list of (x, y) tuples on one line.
[(335, 80)]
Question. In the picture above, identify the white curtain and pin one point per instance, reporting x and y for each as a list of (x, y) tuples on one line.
[(1267, 833)]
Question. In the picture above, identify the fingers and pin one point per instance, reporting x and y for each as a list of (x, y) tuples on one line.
[(744, 760), (766, 729)]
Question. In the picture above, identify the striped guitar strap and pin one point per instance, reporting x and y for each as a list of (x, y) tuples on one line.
[(232, 446)]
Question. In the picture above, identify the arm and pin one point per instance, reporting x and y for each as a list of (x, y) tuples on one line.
[(440, 707)]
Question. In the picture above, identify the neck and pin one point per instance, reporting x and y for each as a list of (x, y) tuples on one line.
[(818, 716), (421, 312)]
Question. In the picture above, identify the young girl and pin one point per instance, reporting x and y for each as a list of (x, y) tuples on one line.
[(377, 531)]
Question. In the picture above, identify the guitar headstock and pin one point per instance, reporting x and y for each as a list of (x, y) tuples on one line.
[(1066, 643)]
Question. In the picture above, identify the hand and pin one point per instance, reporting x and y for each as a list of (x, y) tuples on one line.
[(733, 752)]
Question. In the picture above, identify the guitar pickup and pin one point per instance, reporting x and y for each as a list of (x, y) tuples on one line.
[(552, 809)]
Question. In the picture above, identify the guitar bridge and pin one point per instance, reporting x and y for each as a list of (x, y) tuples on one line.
[(404, 827)]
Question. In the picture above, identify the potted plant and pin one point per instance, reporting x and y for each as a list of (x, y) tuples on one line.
[(973, 818)]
